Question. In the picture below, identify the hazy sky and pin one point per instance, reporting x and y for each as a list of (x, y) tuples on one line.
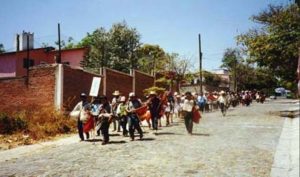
[(172, 24)]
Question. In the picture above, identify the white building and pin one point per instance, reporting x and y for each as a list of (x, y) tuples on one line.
[(225, 76)]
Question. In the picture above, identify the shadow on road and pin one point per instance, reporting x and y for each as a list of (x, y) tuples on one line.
[(201, 134), (115, 134), (93, 140), (147, 139), (117, 142), (167, 133)]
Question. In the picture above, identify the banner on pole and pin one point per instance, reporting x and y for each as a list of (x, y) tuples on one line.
[(95, 86)]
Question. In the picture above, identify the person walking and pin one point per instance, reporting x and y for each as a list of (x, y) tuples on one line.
[(106, 106), (105, 119), (95, 111), (169, 111), (114, 105), (82, 108), (122, 114), (201, 102), (154, 107), (133, 120), (188, 105), (222, 102)]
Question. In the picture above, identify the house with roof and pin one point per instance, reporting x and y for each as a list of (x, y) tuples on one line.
[(14, 64)]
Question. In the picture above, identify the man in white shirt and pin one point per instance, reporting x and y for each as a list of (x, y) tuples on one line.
[(82, 107), (188, 105)]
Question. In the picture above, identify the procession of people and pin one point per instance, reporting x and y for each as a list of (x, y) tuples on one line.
[(127, 114)]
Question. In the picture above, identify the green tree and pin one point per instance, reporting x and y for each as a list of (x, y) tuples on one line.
[(2, 50), (69, 44), (275, 45), (99, 50), (124, 42), (151, 58), (116, 48), (231, 58)]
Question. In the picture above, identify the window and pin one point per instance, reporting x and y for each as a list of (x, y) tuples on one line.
[(25, 62)]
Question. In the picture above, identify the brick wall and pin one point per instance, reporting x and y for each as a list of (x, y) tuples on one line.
[(15, 95), (76, 81), (142, 82), (42, 90), (116, 80)]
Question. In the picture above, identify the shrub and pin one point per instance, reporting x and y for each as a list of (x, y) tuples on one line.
[(37, 123), (9, 125)]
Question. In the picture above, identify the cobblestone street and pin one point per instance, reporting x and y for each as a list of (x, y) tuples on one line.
[(241, 144)]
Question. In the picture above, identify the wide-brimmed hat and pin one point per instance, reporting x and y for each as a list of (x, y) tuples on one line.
[(222, 92), (131, 94), (83, 95), (152, 93), (116, 93)]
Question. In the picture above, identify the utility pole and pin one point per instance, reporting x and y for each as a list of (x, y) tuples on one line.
[(200, 64), (235, 80), (58, 60), (154, 70), (18, 43), (28, 60)]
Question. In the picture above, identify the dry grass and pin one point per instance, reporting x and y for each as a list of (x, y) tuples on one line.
[(36, 125)]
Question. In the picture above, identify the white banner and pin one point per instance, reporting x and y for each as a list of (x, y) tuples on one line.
[(95, 86)]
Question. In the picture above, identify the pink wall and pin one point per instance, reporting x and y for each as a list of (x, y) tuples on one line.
[(11, 64), (73, 57), (8, 66), (38, 55)]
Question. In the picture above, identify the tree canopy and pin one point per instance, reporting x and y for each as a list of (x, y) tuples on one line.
[(151, 58), (276, 43), (2, 48), (115, 48)]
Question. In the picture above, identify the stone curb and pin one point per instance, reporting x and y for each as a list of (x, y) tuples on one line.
[(286, 159)]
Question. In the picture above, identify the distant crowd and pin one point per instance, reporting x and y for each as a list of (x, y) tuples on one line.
[(126, 114)]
